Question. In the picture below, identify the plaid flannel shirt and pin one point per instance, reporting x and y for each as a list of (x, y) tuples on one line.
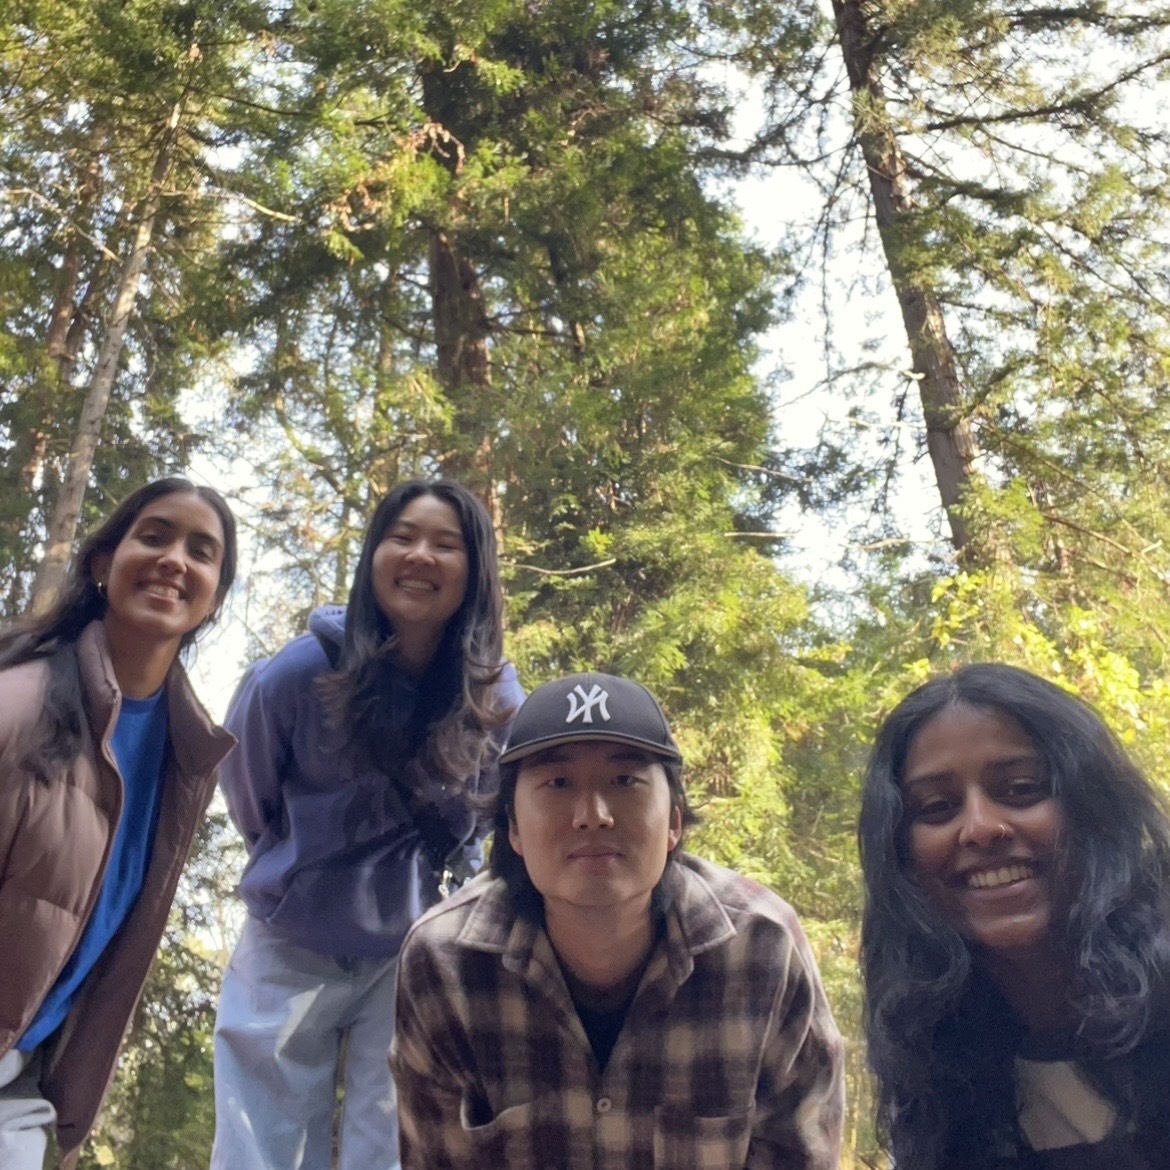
[(728, 1057)]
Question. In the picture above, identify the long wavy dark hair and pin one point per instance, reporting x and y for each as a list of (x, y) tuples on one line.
[(449, 736), (53, 635), (941, 1038)]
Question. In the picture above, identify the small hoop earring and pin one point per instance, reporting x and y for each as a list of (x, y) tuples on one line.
[(101, 587), (1003, 832)]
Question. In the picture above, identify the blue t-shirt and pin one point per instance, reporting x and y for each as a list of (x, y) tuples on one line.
[(139, 743)]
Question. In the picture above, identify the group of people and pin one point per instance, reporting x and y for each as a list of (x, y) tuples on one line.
[(597, 997)]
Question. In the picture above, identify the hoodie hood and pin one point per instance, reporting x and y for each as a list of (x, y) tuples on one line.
[(328, 624)]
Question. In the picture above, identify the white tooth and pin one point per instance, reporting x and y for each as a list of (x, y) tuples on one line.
[(986, 879)]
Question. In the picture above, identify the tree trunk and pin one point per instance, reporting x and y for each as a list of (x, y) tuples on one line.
[(457, 308), (949, 440), (67, 511), (53, 382)]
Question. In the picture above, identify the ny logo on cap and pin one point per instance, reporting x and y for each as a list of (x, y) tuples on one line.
[(584, 710)]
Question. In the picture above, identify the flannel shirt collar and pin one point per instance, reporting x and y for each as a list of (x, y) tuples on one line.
[(696, 921)]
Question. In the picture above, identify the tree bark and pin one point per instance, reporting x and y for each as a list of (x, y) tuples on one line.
[(51, 386), (949, 440), (67, 511), (460, 324)]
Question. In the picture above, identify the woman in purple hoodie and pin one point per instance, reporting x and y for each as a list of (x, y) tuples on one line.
[(362, 746)]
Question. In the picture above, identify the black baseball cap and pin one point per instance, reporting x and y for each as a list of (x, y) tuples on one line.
[(590, 706)]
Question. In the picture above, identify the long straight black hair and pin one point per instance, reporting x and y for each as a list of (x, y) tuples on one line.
[(459, 709), (53, 634), (941, 1039)]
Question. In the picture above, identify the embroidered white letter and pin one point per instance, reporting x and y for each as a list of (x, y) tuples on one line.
[(584, 710)]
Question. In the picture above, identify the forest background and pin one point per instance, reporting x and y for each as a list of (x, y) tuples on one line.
[(304, 248)]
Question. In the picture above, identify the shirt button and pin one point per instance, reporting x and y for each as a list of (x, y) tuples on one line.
[(604, 1104)]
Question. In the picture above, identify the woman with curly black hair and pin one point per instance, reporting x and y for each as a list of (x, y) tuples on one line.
[(1016, 933)]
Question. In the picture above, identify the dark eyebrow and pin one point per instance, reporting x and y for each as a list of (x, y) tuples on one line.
[(928, 778), (171, 526), (412, 524), (997, 766)]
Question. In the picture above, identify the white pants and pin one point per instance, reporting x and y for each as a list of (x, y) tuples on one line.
[(25, 1115), (283, 1014)]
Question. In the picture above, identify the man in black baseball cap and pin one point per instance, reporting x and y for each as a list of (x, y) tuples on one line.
[(601, 998)]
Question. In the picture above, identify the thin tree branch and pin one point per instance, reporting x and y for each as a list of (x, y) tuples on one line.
[(565, 572)]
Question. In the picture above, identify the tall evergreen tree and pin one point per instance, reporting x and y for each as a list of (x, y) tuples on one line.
[(1013, 160)]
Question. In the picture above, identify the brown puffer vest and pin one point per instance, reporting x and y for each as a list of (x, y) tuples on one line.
[(54, 844)]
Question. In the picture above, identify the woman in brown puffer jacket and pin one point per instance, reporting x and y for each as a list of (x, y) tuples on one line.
[(107, 763)]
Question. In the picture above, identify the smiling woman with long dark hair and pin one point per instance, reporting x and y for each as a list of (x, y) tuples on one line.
[(1016, 933), (363, 747), (107, 762)]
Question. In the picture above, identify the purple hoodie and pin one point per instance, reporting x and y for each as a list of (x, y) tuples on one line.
[(335, 862)]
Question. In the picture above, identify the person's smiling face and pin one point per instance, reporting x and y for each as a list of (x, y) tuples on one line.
[(419, 569), (594, 823), (983, 827), (162, 580)]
